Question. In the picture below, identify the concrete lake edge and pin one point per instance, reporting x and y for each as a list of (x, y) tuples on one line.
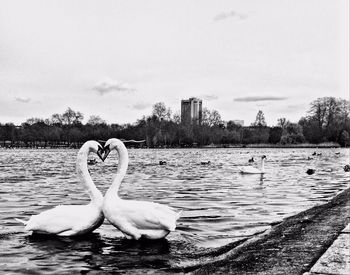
[(290, 247)]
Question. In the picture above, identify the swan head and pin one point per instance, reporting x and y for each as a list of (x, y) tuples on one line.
[(112, 144), (95, 147), (263, 157)]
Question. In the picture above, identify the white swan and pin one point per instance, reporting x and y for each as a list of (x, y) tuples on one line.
[(135, 219), (70, 220), (253, 170)]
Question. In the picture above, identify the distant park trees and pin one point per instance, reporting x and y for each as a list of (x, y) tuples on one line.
[(326, 120), (211, 117), (69, 117)]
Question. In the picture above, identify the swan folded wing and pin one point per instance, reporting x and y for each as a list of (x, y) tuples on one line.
[(58, 220), (249, 169), (149, 215)]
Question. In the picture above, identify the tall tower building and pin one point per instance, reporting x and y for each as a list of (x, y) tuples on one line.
[(191, 111)]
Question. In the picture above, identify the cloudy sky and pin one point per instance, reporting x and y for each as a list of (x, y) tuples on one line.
[(116, 59)]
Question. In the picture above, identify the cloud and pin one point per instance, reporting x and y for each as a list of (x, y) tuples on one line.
[(296, 107), (110, 85), (22, 100), (259, 98), (229, 14), (209, 97), (141, 106)]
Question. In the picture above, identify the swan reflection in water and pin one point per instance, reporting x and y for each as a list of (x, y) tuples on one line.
[(95, 252)]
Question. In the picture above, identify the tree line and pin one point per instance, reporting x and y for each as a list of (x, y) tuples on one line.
[(327, 120)]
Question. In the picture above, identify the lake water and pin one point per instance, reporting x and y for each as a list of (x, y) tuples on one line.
[(219, 204)]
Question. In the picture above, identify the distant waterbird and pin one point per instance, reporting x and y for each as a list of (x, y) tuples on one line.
[(91, 161), (347, 168), (162, 162), (71, 220), (205, 162), (254, 170), (310, 171), (251, 160)]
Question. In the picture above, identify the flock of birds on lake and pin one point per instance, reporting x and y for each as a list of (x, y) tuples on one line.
[(135, 219), (261, 170)]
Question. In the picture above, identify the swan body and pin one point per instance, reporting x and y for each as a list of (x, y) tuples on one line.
[(134, 218), (254, 170), (70, 220)]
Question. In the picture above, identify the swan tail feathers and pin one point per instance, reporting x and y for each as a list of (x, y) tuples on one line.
[(29, 227), (178, 214), (21, 221), (172, 224), (172, 228)]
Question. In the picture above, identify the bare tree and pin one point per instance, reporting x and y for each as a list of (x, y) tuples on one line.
[(56, 119), (205, 116), (215, 118), (34, 120), (95, 120), (161, 111), (177, 117), (328, 111), (260, 119), (282, 122), (72, 117), (211, 118), (69, 117)]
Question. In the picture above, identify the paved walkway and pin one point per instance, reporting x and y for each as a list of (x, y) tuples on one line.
[(336, 260)]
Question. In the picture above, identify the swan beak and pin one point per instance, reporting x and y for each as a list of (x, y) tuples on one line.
[(100, 152), (106, 151)]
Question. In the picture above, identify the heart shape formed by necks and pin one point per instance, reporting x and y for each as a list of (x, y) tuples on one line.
[(104, 152)]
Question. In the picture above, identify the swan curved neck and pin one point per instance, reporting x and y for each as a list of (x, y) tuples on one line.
[(84, 176), (263, 165), (122, 168)]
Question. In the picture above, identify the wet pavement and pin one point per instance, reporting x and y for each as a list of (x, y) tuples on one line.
[(336, 260)]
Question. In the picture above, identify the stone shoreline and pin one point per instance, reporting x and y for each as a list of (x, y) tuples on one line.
[(290, 247)]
